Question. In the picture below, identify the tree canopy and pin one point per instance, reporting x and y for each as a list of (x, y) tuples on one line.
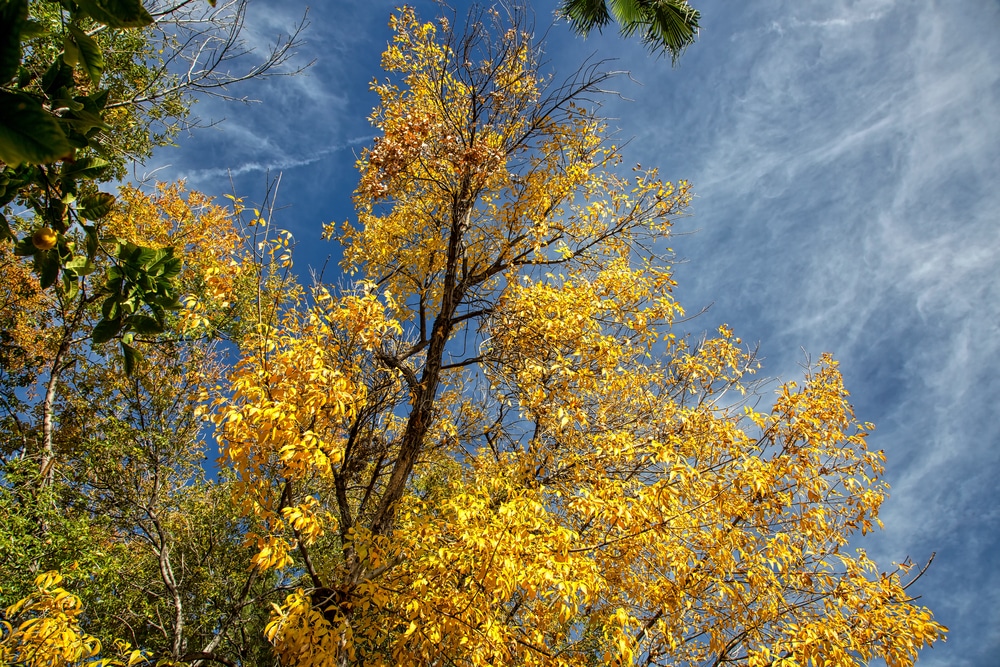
[(488, 444), (86, 88)]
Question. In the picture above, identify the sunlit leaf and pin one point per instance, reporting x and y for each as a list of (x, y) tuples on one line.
[(89, 54)]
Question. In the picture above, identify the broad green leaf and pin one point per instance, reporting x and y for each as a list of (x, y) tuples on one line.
[(143, 257), (117, 13), (66, 103), (88, 167), (131, 357), (59, 75), (106, 330), (71, 52), (171, 268), (75, 138), (89, 54), (84, 122), (93, 242), (5, 232), (96, 101), (110, 308), (144, 324), (95, 207), (166, 265), (13, 181), (80, 265), (168, 301), (55, 213), (25, 248), (28, 133), (47, 267), (71, 286), (13, 15), (127, 251), (32, 29)]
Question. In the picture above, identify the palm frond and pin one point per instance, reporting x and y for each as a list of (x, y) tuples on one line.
[(585, 15), (667, 26)]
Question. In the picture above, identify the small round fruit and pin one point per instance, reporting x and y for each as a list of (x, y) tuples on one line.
[(44, 238)]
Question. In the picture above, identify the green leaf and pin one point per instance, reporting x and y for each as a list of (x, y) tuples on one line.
[(110, 308), (117, 13), (166, 265), (84, 122), (96, 101), (5, 232), (105, 331), (55, 213), (585, 15), (25, 248), (89, 54), (75, 139), (71, 52), (93, 242), (127, 251), (71, 286), (79, 265), (95, 207), (158, 313), (47, 268), (32, 29), (15, 180), (171, 268), (144, 324), (131, 357), (59, 75), (66, 104), (89, 168), (143, 257), (13, 16), (168, 301), (28, 133)]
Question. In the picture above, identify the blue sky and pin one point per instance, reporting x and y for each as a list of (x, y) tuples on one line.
[(845, 157)]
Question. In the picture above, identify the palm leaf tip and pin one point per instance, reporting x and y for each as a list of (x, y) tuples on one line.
[(585, 15), (672, 26), (667, 26)]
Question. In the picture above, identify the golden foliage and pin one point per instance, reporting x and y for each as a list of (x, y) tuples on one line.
[(217, 278), (494, 450), (48, 632), (24, 315)]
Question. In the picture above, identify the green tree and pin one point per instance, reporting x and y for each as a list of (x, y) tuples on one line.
[(102, 473), (87, 88), (668, 26)]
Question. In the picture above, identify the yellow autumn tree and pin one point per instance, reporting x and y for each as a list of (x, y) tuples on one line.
[(493, 449)]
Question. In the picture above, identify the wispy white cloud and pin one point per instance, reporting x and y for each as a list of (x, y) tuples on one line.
[(846, 157), (272, 166)]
